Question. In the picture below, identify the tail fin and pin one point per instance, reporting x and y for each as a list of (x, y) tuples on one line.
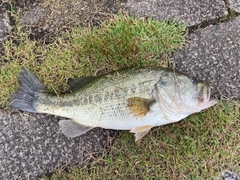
[(23, 98)]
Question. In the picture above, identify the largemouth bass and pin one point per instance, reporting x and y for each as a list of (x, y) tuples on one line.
[(135, 99)]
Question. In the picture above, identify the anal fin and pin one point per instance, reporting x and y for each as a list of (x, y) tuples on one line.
[(141, 131), (139, 106), (73, 129)]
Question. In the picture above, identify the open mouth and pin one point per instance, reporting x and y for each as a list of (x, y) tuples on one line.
[(204, 93), (204, 96)]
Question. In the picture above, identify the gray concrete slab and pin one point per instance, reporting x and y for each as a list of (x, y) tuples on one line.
[(235, 5), (228, 175), (4, 25), (33, 15), (32, 145), (190, 12), (213, 54)]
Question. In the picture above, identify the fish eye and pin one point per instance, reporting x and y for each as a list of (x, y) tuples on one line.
[(194, 80)]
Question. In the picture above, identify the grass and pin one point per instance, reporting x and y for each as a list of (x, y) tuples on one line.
[(199, 147), (119, 42)]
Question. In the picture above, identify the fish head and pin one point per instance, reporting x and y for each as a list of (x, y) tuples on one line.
[(179, 95)]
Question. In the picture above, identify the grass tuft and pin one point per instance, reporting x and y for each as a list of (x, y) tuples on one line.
[(118, 42)]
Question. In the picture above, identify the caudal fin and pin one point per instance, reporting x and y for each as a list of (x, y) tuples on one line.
[(29, 86)]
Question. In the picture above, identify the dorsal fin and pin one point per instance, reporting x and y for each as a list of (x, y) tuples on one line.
[(77, 83)]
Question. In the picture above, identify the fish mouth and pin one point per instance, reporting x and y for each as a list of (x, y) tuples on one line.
[(204, 95)]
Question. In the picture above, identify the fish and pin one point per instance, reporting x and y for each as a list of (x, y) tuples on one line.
[(135, 99)]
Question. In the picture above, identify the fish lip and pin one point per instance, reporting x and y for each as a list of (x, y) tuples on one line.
[(204, 92), (204, 95)]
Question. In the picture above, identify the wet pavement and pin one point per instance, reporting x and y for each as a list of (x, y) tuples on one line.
[(32, 145)]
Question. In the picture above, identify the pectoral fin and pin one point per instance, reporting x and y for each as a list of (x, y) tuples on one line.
[(141, 131), (73, 129), (139, 106)]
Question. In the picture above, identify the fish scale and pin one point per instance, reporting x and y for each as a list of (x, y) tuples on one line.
[(135, 99)]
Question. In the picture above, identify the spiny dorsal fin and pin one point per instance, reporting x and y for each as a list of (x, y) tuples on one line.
[(77, 83), (141, 131), (73, 129), (139, 106)]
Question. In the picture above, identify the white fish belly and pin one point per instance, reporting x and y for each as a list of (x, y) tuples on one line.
[(120, 118)]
